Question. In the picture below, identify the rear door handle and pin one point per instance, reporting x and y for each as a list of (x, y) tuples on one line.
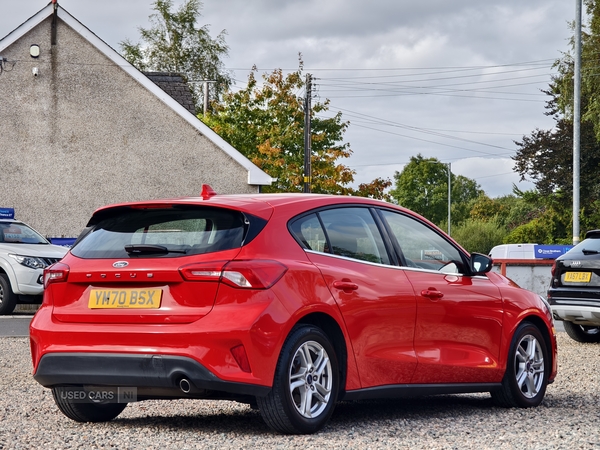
[(345, 285), (432, 293)]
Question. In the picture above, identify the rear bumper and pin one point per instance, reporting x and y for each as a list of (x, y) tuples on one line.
[(582, 315), (154, 376), (578, 305)]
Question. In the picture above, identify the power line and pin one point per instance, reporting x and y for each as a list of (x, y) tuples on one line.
[(393, 123)]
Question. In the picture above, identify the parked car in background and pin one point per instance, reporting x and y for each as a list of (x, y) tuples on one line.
[(288, 302), (574, 292), (24, 254)]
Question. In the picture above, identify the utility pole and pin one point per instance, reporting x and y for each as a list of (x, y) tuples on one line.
[(576, 122), (205, 87), (307, 135)]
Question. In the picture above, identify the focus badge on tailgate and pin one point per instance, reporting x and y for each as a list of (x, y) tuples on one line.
[(125, 298)]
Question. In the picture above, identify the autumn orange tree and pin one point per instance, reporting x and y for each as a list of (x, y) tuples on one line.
[(266, 123)]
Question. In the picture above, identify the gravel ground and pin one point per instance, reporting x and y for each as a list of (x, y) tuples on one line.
[(568, 417)]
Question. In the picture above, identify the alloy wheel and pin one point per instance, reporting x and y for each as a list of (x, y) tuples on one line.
[(310, 379), (529, 366)]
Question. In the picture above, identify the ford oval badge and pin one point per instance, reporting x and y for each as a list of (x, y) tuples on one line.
[(120, 264)]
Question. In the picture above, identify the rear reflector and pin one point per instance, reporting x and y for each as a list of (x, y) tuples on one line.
[(56, 273), (247, 274), (241, 358)]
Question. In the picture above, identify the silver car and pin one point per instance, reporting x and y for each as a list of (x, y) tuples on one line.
[(24, 254)]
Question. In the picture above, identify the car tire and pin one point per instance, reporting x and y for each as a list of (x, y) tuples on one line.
[(306, 384), (527, 370), (84, 411), (8, 300), (582, 333)]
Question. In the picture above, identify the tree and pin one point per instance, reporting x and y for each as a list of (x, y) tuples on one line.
[(266, 124), (486, 209), (477, 235), (423, 187), (375, 189), (562, 84), (546, 156), (174, 44), (549, 228)]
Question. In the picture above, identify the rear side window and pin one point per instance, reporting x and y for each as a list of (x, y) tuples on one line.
[(162, 232), (422, 246), (350, 232)]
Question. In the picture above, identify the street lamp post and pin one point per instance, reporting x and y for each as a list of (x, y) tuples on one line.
[(449, 196), (577, 123)]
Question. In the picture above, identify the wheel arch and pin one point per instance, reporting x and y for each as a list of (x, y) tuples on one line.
[(332, 329), (7, 270), (548, 338)]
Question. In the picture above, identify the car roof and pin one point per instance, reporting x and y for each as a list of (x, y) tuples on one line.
[(261, 205)]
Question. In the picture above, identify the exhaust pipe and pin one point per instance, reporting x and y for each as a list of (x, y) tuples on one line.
[(185, 386)]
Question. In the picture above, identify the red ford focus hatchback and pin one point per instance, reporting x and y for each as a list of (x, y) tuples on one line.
[(288, 302)]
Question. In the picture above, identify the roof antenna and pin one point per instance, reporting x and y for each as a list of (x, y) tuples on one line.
[(207, 192)]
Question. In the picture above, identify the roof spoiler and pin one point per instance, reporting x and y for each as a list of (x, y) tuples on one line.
[(593, 234)]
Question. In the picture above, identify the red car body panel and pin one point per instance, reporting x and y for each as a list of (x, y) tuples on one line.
[(381, 336), (394, 328), (458, 333)]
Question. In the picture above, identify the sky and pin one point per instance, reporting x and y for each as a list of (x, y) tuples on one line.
[(455, 80)]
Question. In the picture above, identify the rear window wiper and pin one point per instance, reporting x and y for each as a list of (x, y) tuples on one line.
[(585, 251), (153, 249)]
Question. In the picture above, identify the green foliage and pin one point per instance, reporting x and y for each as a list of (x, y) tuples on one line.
[(562, 85), (485, 209), (548, 228), (423, 187), (546, 156), (477, 235), (266, 124), (175, 44), (509, 210), (375, 189)]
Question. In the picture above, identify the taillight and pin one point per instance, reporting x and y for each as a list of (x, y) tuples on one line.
[(553, 269), (203, 271), (253, 274), (56, 273), (247, 274)]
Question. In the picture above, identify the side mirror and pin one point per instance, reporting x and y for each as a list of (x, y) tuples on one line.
[(480, 263)]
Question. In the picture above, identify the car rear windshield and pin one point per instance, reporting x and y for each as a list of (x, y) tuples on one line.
[(589, 245), (127, 232)]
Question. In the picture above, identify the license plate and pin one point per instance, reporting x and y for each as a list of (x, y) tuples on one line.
[(125, 298), (578, 277)]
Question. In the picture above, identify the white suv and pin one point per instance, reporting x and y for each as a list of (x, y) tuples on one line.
[(24, 254)]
